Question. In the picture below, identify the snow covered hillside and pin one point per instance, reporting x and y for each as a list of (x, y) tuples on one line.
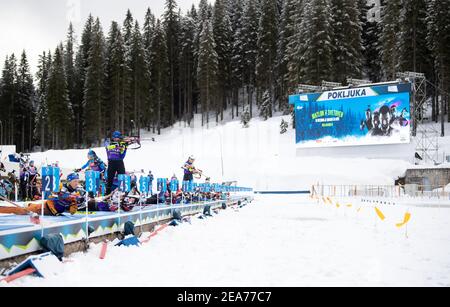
[(258, 156), (289, 240)]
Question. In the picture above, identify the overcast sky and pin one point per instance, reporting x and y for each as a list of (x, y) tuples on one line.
[(38, 25)]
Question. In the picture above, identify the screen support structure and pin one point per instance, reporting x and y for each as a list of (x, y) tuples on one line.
[(424, 134)]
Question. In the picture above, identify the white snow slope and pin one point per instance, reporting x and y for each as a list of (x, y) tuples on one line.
[(258, 157), (286, 240)]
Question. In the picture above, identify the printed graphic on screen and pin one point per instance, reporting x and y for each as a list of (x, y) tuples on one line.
[(359, 116)]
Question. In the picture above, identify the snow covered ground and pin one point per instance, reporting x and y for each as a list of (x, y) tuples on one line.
[(278, 240), (258, 156)]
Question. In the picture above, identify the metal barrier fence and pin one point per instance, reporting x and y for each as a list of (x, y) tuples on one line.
[(387, 191)]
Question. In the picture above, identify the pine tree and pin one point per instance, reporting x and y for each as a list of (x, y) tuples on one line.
[(267, 49), (41, 120), (283, 126), (250, 49), (438, 41), (159, 72), (245, 117), (315, 26), (295, 42), (59, 112), (140, 76), (172, 29), (207, 70), (265, 109), (187, 68), (93, 124), (237, 53), (347, 43), (389, 39), (81, 65), (288, 20), (371, 31), (222, 38), (414, 54), (114, 81), (127, 99), (8, 100), (69, 63), (25, 111)]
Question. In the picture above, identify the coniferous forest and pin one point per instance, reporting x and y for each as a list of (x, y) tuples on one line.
[(229, 56)]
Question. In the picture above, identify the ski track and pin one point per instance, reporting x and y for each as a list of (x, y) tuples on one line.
[(282, 240)]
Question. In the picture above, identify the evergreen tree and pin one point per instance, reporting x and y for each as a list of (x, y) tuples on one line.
[(347, 43), (140, 77), (389, 39), (25, 111), (115, 74), (172, 29), (93, 124), (414, 54), (315, 26), (187, 68), (267, 49), (250, 49), (439, 42), (237, 53), (69, 63), (8, 100), (59, 112), (81, 65), (245, 117), (41, 120), (159, 69), (127, 102), (265, 109), (295, 42), (207, 70), (283, 126), (371, 31), (288, 20), (222, 38)]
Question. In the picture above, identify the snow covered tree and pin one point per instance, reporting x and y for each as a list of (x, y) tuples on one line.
[(222, 38), (207, 70), (114, 80), (438, 42), (81, 65), (250, 49), (289, 18), (41, 120), (347, 43), (293, 38), (159, 72), (389, 39), (140, 75), (25, 112), (59, 111), (69, 63), (237, 53), (414, 54), (245, 117), (267, 49), (172, 29), (8, 100), (370, 35), (128, 104), (315, 26), (93, 103), (265, 108), (147, 37), (187, 64), (283, 126)]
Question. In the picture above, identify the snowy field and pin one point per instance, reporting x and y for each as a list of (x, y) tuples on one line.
[(282, 240), (258, 157)]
